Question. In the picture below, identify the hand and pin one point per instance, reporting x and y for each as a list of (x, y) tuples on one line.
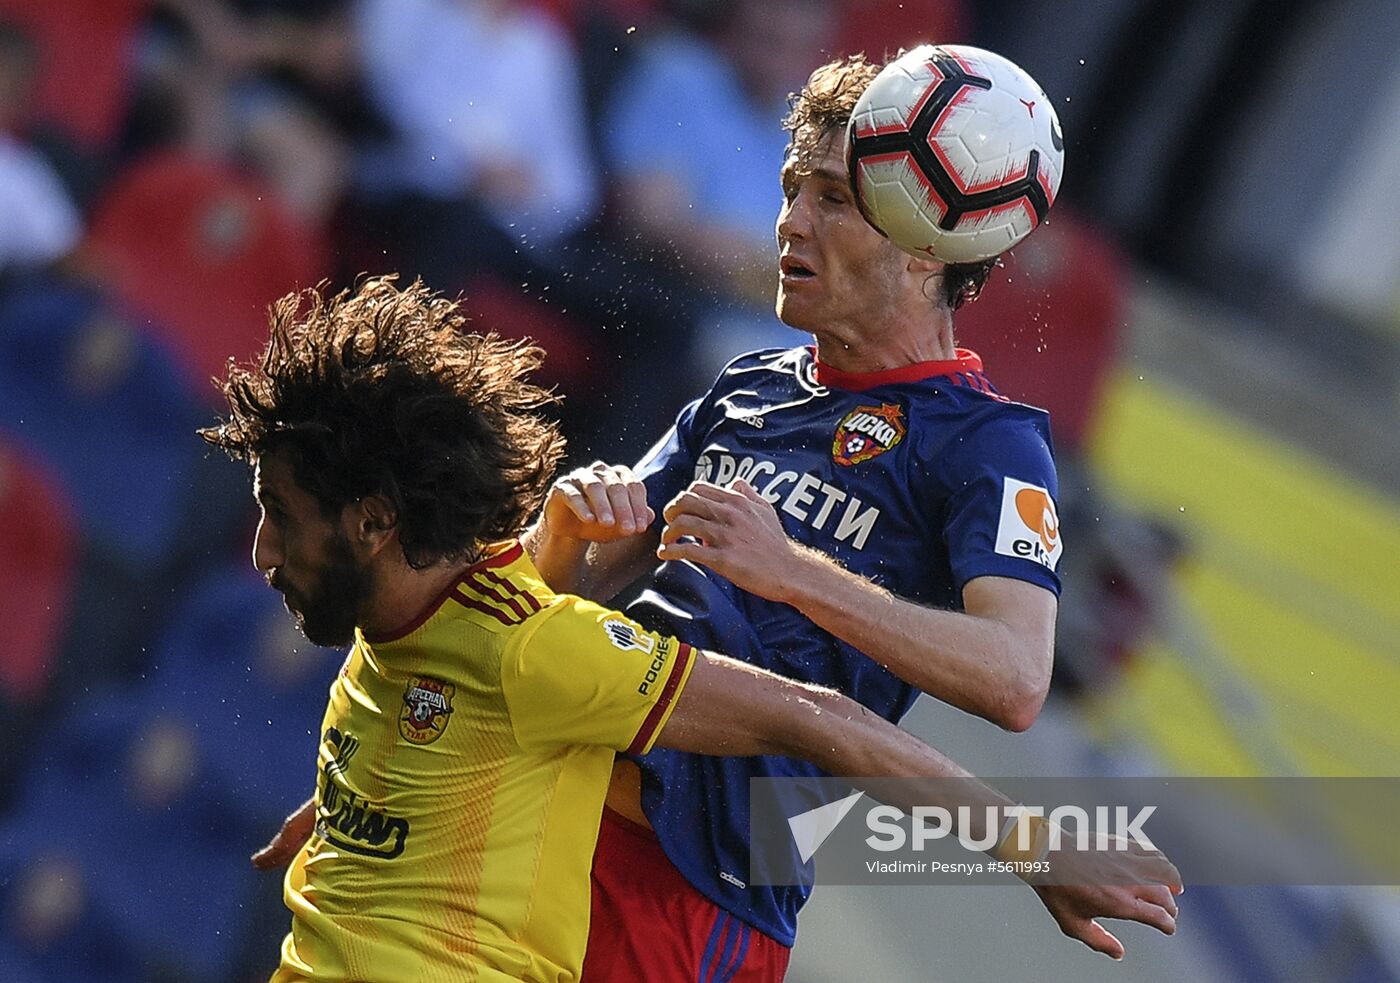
[(1131, 883), (740, 536), (296, 830), (599, 503)]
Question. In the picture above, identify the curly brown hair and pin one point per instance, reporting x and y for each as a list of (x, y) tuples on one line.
[(823, 108), (382, 391)]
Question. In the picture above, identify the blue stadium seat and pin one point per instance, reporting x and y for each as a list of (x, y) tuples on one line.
[(115, 813), (151, 796), (233, 667), (106, 408)]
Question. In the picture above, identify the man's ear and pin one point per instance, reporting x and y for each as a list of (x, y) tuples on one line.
[(924, 266), (375, 522)]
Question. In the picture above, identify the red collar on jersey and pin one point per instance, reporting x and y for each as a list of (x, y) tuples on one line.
[(497, 555), (967, 362)]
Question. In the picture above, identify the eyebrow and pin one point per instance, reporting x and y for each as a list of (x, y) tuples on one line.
[(828, 174)]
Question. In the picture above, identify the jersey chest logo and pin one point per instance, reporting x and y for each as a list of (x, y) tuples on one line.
[(866, 432), (427, 707)]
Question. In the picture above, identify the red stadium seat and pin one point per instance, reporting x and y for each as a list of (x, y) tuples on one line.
[(201, 249), (86, 48), (571, 361), (1047, 324), (38, 558), (880, 27)]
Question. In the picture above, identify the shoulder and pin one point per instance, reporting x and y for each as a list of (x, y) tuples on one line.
[(502, 592), (984, 413), (985, 432), (767, 363)]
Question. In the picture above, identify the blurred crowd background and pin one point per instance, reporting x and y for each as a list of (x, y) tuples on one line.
[(1212, 315)]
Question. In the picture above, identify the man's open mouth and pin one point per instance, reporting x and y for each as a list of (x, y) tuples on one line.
[(795, 268)]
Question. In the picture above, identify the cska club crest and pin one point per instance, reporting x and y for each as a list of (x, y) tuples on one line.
[(866, 432), (427, 706)]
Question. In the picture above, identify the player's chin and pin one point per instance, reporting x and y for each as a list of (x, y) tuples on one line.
[(794, 311)]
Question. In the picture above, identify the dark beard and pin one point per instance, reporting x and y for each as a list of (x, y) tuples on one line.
[(329, 615)]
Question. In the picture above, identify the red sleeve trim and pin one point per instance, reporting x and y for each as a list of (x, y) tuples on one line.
[(663, 702)]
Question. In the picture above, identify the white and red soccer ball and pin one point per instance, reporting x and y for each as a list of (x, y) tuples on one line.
[(954, 153)]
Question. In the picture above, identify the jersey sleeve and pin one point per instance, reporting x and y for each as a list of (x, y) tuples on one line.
[(669, 467), (587, 675), (1001, 517)]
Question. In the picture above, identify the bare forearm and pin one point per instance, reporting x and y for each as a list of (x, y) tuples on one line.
[(977, 664), (595, 570), (562, 561), (845, 738), (732, 708)]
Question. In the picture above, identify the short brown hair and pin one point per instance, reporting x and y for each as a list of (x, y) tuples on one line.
[(382, 391), (822, 108)]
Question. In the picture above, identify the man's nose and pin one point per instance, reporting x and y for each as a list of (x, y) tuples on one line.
[(793, 221), (267, 548)]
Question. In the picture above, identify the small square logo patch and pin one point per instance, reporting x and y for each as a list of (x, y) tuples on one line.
[(1029, 527)]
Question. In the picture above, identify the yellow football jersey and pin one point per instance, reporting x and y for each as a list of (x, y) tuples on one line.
[(461, 776)]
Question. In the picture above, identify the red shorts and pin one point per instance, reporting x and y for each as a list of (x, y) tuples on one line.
[(649, 924)]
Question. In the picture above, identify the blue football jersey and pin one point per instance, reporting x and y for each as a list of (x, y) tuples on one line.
[(919, 479)]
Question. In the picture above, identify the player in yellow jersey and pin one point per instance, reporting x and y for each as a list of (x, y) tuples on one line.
[(468, 740)]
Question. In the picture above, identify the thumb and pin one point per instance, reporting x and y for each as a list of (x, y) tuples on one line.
[(1100, 939)]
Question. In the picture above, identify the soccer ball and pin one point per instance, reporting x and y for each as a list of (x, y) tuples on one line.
[(954, 153)]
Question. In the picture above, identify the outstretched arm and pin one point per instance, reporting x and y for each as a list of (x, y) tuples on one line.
[(732, 708), (992, 659)]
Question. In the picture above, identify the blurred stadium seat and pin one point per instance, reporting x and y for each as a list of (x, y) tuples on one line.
[(882, 27), (234, 671), (201, 249), (106, 408), (38, 574), (1048, 324), (38, 559), (149, 797), (569, 362), (106, 411), (87, 50), (146, 869)]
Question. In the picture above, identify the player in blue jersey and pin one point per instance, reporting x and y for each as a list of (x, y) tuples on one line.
[(867, 513)]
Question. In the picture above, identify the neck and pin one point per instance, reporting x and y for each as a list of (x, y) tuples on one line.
[(399, 594), (900, 344)]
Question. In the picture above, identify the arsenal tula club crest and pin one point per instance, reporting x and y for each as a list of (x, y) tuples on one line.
[(427, 705), (866, 432)]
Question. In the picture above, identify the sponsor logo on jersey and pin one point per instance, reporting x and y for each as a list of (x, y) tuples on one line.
[(344, 817), (628, 635), (866, 432), (804, 496), (658, 662), (427, 707), (1029, 526)]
